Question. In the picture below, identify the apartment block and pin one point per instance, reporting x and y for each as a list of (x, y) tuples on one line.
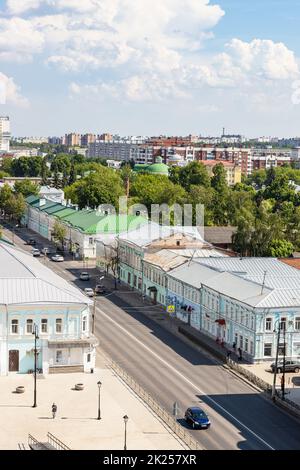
[(5, 134)]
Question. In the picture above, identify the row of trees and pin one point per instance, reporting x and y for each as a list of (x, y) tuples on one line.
[(265, 207)]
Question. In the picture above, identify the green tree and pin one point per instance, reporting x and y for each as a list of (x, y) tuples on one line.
[(15, 207), (26, 187), (103, 187), (27, 166), (59, 233), (194, 173), (156, 189), (280, 248)]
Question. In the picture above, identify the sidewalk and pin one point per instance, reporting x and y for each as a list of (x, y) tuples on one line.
[(76, 423)]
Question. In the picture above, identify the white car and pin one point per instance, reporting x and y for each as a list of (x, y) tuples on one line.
[(89, 292), (57, 258), (35, 252)]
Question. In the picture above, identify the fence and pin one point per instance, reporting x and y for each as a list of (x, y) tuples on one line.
[(59, 445), (166, 417), (52, 444)]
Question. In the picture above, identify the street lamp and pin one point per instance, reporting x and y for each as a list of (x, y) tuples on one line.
[(125, 421), (99, 410), (35, 333), (276, 362), (282, 326)]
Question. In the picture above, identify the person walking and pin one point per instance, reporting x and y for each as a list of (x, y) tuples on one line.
[(54, 410), (240, 354)]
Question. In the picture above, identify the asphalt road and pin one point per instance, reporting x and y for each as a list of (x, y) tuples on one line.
[(170, 370)]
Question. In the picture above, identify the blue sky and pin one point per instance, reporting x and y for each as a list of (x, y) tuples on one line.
[(188, 66)]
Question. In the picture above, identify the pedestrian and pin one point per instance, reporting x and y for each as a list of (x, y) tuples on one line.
[(240, 354), (54, 410), (228, 354)]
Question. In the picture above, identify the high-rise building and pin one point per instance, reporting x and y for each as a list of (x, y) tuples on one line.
[(87, 139), (4, 133), (72, 140)]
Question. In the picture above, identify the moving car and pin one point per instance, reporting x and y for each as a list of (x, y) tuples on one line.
[(197, 418), (89, 292), (57, 258), (35, 252), (290, 366), (31, 241), (84, 276), (100, 289)]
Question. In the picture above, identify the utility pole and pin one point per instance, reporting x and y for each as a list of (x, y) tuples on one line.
[(283, 365)]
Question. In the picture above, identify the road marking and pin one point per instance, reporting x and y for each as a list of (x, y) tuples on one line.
[(185, 379)]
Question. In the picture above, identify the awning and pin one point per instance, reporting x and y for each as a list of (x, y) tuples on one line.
[(68, 343)]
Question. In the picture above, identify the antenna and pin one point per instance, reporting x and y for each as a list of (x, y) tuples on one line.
[(263, 284)]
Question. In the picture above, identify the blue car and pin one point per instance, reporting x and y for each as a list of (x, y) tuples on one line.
[(197, 418)]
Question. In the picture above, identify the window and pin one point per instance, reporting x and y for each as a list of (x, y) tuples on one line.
[(251, 348), (268, 349), (15, 327), (283, 323), (44, 325), (241, 342), (88, 358), (84, 324), (297, 323), (246, 344), (91, 241), (29, 326), (268, 326), (281, 349), (59, 356), (128, 278), (58, 325)]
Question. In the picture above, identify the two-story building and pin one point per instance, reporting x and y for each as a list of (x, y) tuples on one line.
[(31, 295)]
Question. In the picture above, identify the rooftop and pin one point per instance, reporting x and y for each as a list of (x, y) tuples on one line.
[(25, 280)]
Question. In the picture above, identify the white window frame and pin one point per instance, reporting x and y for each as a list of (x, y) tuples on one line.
[(16, 324), (61, 324), (27, 324), (84, 324), (42, 324)]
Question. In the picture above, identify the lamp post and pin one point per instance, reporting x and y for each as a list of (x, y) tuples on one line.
[(125, 422), (99, 410), (35, 333), (276, 364)]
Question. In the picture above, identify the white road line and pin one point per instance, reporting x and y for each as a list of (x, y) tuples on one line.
[(184, 378)]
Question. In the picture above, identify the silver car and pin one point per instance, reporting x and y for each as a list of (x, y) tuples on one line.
[(89, 292), (57, 258)]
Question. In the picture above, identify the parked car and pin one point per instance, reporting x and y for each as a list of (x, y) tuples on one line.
[(89, 292), (35, 252), (31, 241), (99, 289), (197, 418), (57, 258), (290, 366), (84, 276)]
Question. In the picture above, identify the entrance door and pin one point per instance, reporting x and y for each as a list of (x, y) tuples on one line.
[(14, 361)]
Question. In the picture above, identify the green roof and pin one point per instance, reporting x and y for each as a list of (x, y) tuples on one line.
[(31, 199), (156, 168), (54, 208), (65, 212), (117, 224), (44, 207)]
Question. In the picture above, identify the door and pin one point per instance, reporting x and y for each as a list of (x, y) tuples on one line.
[(14, 361)]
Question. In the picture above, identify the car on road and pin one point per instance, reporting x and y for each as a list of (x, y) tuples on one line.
[(197, 418), (31, 241), (290, 366), (89, 292), (57, 258), (35, 252), (84, 276), (100, 289)]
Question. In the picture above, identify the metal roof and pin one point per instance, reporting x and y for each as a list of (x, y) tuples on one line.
[(225, 276), (152, 231), (25, 280)]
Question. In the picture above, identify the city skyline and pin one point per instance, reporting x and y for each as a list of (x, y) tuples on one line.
[(191, 67)]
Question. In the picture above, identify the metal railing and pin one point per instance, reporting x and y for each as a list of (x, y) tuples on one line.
[(32, 440), (164, 415), (57, 443)]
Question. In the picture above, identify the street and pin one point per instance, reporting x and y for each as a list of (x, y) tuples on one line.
[(172, 371)]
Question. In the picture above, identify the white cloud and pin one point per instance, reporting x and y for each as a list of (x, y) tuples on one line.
[(17, 7), (10, 92), (19, 40)]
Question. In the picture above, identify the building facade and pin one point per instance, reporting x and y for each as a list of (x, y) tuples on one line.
[(5, 134), (32, 296)]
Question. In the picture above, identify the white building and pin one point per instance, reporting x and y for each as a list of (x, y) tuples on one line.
[(33, 295), (5, 134)]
